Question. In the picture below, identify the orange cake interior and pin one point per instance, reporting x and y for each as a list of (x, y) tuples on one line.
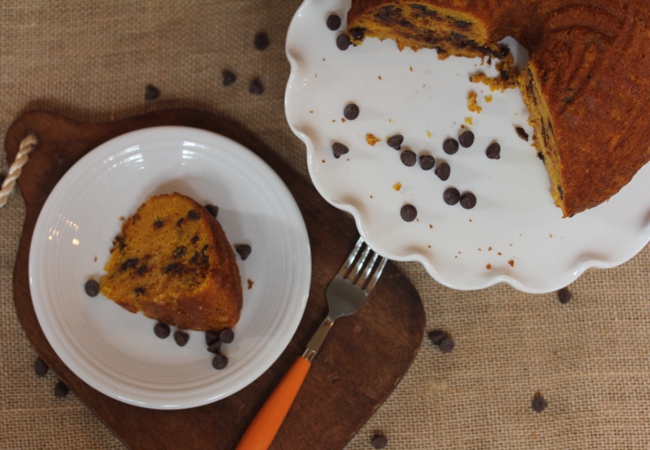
[(172, 262)]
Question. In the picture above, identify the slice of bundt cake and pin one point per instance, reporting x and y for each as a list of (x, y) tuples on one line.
[(172, 261), (586, 86)]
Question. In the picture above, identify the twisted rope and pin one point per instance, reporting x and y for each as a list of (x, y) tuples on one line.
[(26, 146)]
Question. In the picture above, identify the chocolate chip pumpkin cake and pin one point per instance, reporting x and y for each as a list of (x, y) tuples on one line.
[(586, 86), (172, 261)]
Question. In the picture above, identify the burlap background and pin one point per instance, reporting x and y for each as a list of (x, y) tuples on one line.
[(92, 61)]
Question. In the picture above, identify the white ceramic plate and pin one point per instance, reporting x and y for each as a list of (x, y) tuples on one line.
[(116, 352), (515, 228)]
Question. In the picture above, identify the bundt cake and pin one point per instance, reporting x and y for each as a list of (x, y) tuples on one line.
[(172, 261), (586, 86)]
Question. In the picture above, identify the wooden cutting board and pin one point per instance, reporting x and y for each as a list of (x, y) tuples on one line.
[(361, 362)]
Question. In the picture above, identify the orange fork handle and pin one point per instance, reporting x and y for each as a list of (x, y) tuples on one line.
[(268, 420)]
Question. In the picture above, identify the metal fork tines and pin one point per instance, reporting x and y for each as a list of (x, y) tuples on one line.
[(348, 291)]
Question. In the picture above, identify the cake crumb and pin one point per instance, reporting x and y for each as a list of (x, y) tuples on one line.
[(499, 253), (468, 121), (311, 112), (489, 266), (250, 283), (390, 120), (379, 76), (371, 196), (397, 186), (489, 249), (95, 258), (411, 68), (550, 235), (371, 139), (488, 99), (471, 103), (323, 161), (428, 134), (429, 246), (430, 226), (315, 75), (512, 263)]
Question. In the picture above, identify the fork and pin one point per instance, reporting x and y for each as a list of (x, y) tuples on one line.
[(346, 294)]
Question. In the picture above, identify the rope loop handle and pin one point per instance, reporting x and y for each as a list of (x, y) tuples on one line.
[(26, 146)]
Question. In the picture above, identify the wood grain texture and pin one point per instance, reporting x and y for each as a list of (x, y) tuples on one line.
[(361, 362)]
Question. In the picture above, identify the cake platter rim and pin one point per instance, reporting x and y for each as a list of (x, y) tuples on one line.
[(304, 53)]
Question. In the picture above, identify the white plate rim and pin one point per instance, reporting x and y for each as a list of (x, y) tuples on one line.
[(300, 289)]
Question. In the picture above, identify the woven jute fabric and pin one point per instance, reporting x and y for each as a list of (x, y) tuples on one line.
[(590, 358)]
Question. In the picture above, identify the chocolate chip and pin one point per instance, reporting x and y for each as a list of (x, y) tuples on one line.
[(466, 139), (181, 338), (180, 222), (151, 92), (211, 337), (493, 151), (450, 146), (132, 262), (212, 209), (219, 362), (451, 196), (427, 162), (179, 252), (468, 200), (395, 141), (158, 224), (40, 367), (339, 149), (343, 41), (92, 288), (142, 270), (379, 441), (540, 155), (333, 22), (256, 87), (408, 213), (408, 158), (193, 215), (521, 133), (564, 295), (139, 291), (244, 250), (447, 345), (161, 329), (436, 336), (61, 389), (215, 347), (358, 33), (351, 111), (194, 239), (228, 77), (227, 336), (171, 267), (261, 41), (538, 404), (443, 171)]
